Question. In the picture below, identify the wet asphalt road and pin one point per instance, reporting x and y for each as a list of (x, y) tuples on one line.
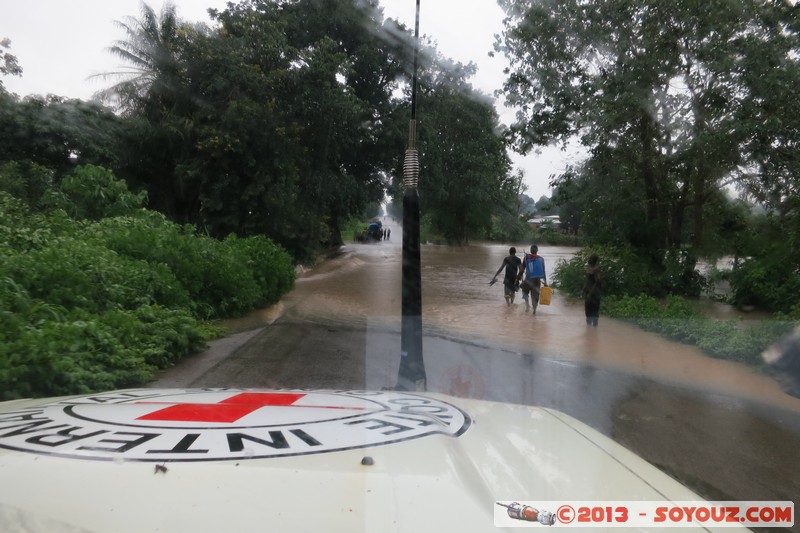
[(722, 445)]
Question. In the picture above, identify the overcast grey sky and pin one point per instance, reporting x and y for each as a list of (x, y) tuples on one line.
[(60, 44)]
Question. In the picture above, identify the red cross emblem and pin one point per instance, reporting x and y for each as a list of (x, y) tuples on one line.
[(231, 409)]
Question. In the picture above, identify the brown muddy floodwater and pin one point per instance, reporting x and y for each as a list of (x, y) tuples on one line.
[(722, 428), (362, 287)]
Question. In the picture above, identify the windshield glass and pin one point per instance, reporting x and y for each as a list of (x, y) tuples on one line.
[(588, 207)]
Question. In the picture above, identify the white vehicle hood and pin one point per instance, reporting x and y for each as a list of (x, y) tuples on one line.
[(244, 460)]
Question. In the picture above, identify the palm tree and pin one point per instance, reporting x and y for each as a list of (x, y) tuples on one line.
[(151, 51)]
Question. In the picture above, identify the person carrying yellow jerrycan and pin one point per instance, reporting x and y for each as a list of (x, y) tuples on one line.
[(535, 278)]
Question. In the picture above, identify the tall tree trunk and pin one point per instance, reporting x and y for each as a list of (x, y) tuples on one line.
[(700, 167), (677, 217), (699, 181), (697, 205), (656, 220), (336, 231)]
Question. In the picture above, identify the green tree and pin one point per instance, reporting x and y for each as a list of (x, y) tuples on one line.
[(9, 66), (92, 192), (664, 95), (464, 174), (348, 62), (58, 133), (152, 92), (273, 122), (25, 181), (152, 74)]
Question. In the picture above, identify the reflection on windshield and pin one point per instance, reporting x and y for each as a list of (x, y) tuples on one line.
[(339, 329), (231, 212)]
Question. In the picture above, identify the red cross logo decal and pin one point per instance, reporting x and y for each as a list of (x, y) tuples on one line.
[(231, 409)]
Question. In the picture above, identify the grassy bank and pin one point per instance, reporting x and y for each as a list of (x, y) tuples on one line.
[(667, 303), (680, 319)]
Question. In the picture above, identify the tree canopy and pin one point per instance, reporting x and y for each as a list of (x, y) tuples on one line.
[(674, 99), (288, 118)]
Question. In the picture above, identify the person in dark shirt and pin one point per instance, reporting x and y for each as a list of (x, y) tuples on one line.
[(591, 292), (512, 264)]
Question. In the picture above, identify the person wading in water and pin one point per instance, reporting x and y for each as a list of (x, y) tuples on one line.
[(534, 272), (512, 264)]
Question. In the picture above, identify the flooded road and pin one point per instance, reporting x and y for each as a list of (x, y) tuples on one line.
[(363, 285), (722, 428)]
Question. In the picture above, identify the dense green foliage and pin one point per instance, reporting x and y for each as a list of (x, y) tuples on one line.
[(282, 119), (625, 273), (628, 285), (101, 299), (464, 166), (57, 133), (92, 192), (558, 238), (674, 102), (768, 278), (267, 132)]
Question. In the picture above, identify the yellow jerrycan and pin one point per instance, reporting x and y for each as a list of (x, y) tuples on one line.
[(544, 295)]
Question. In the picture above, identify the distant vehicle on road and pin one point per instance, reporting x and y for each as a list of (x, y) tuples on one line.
[(372, 233)]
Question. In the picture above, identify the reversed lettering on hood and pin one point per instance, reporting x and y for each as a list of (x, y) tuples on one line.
[(220, 424)]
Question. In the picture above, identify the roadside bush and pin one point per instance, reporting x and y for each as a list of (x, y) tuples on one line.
[(351, 228), (627, 282), (92, 192), (67, 357), (219, 276), (25, 180), (97, 305), (271, 266), (21, 230), (770, 282), (161, 335), (626, 273), (643, 307), (141, 237), (75, 274), (49, 352), (623, 272), (218, 283)]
